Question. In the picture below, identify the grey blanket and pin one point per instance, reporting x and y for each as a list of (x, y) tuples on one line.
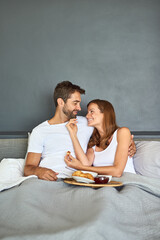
[(39, 209)]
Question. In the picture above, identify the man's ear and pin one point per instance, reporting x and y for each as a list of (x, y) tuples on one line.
[(60, 102)]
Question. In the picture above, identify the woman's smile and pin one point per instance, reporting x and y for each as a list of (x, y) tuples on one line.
[(94, 115)]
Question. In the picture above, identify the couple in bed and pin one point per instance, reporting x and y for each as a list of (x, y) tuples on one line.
[(96, 142)]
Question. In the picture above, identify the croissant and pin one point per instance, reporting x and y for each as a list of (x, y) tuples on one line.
[(84, 175)]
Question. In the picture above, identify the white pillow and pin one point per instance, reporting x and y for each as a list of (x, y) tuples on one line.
[(11, 169), (11, 172), (147, 158)]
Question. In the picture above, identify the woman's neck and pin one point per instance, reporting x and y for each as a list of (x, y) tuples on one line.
[(100, 131)]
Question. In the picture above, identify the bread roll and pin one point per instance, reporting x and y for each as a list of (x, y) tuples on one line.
[(84, 175)]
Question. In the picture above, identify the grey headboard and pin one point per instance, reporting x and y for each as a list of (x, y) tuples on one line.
[(17, 147), (13, 148)]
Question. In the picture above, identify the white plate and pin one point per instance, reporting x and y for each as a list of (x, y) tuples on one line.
[(83, 180), (109, 176)]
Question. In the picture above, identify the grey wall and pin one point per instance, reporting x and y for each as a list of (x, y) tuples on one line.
[(109, 47)]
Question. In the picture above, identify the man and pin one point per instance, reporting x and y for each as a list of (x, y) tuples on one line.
[(50, 140)]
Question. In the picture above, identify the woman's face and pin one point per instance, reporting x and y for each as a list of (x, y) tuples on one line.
[(94, 115)]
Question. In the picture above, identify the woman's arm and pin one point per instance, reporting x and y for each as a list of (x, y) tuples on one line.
[(80, 155), (121, 156)]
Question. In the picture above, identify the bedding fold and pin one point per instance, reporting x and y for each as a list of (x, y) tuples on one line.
[(39, 209)]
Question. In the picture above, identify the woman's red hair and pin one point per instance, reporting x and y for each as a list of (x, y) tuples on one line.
[(109, 124)]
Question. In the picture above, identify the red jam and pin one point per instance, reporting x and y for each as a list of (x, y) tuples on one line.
[(101, 180)]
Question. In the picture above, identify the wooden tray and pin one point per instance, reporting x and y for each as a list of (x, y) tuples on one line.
[(93, 185)]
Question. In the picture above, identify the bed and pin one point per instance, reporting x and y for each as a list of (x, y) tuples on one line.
[(38, 209)]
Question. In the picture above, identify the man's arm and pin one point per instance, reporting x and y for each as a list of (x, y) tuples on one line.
[(32, 168)]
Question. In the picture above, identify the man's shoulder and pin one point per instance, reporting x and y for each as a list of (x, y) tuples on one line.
[(41, 126), (82, 120)]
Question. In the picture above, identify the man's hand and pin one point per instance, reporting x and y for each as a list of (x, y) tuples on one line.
[(132, 147), (46, 174), (32, 168)]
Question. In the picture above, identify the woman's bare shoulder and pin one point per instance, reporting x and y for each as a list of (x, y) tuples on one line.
[(123, 131)]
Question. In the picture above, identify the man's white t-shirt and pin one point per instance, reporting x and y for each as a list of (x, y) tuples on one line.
[(53, 142)]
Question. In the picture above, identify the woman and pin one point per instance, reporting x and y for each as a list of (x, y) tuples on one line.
[(108, 147)]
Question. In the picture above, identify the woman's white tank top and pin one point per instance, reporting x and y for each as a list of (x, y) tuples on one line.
[(106, 157)]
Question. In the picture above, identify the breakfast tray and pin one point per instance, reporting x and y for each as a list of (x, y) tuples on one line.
[(93, 185)]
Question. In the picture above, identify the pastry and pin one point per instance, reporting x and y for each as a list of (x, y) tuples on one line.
[(68, 152), (84, 175)]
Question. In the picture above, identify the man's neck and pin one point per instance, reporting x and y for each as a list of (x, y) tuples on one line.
[(58, 118)]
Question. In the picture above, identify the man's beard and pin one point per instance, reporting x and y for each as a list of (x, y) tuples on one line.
[(69, 114)]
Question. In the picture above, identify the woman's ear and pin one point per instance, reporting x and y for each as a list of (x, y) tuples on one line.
[(60, 102)]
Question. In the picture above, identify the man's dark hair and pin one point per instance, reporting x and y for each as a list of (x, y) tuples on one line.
[(64, 90)]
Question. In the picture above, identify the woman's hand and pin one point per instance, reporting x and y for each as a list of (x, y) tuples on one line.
[(132, 148), (72, 126), (72, 162)]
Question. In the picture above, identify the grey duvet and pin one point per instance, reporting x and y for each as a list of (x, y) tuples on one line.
[(38, 209)]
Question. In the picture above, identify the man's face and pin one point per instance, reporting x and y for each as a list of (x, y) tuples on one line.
[(72, 105)]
